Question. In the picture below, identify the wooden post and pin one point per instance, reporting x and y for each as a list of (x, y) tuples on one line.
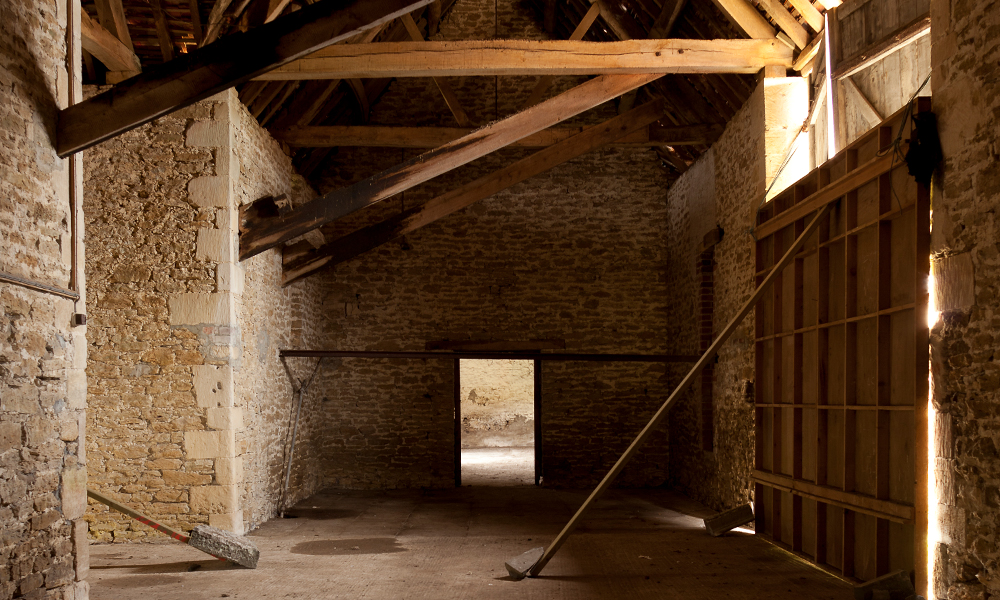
[(458, 422), (707, 357), (538, 421)]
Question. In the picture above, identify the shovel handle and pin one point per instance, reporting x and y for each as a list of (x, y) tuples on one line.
[(138, 516)]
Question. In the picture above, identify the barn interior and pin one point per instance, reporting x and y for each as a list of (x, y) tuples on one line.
[(390, 286)]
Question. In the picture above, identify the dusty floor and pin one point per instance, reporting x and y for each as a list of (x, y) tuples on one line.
[(498, 466), (453, 543)]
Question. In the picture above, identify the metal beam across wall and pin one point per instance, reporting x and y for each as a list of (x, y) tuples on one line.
[(651, 358)]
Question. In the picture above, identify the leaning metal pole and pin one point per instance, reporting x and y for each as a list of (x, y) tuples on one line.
[(295, 431), (518, 568)]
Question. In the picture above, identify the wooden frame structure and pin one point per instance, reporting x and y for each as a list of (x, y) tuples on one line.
[(841, 350)]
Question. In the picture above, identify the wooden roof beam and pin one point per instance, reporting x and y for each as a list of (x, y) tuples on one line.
[(206, 71), (746, 18), (333, 136), (300, 265), (256, 237), (107, 48), (162, 31), (535, 57), (444, 87), (546, 80), (796, 32), (111, 15)]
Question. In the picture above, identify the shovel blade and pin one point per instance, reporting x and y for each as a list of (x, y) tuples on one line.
[(519, 566)]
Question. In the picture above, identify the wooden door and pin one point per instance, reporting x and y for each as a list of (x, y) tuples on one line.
[(842, 365)]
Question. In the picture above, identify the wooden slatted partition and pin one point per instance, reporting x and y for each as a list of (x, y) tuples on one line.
[(841, 365)]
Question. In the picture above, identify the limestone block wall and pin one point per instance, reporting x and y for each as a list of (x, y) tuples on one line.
[(965, 367), (498, 403), (43, 540), (735, 173), (187, 388)]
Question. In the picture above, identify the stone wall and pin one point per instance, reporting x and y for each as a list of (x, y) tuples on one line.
[(498, 403), (191, 404), (720, 189), (965, 368), (43, 540)]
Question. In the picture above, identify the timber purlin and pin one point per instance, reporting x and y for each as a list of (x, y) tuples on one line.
[(841, 351)]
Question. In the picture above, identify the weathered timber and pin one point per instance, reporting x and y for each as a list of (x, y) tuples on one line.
[(893, 42), (162, 31), (111, 15), (450, 99), (373, 236), (107, 48), (333, 136), (786, 22), (728, 520), (215, 20), (745, 16), (543, 83), (894, 585), (808, 53), (206, 71), (428, 165), (536, 57)]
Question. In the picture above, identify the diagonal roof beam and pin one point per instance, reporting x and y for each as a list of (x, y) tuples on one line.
[(299, 265), (745, 17), (450, 99), (107, 48), (546, 80), (535, 57), (219, 66), (258, 236)]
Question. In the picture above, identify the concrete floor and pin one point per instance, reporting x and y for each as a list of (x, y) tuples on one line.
[(453, 543)]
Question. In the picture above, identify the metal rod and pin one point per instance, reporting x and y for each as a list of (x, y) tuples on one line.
[(38, 286), (295, 432), (653, 358), (708, 356), (538, 422)]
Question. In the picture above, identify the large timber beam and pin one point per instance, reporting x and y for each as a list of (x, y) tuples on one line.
[(258, 236), (536, 57), (299, 265), (219, 66), (107, 48), (333, 136)]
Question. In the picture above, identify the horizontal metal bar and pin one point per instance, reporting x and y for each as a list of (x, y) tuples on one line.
[(38, 286), (653, 358)]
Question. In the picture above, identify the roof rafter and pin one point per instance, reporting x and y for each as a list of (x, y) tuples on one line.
[(298, 265), (258, 236), (214, 68)]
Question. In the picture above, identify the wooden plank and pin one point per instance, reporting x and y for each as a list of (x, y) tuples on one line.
[(107, 48), (410, 220), (745, 17), (728, 520), (786, 22), (358, 88), (546, 80), (808, 53), (871, 113), (275, 9), (442, 84), (897, 40), (883, 509), (681, 390), (375, 136), (536, 57), (809, 13), (847, 183), (111, 15), (162, 31), (428, 165), (549, 17), (665, 22), (207, 71)]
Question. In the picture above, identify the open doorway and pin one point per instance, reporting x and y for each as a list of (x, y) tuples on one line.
[(498, 422)]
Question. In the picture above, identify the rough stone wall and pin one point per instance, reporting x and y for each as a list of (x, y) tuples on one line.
[(43, 540), (735, 172), (965, 368), (266, 313), (498, 403), (191, 402)]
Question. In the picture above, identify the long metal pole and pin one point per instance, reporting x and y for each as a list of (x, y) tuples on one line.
[(295, 432), (684, 385)]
